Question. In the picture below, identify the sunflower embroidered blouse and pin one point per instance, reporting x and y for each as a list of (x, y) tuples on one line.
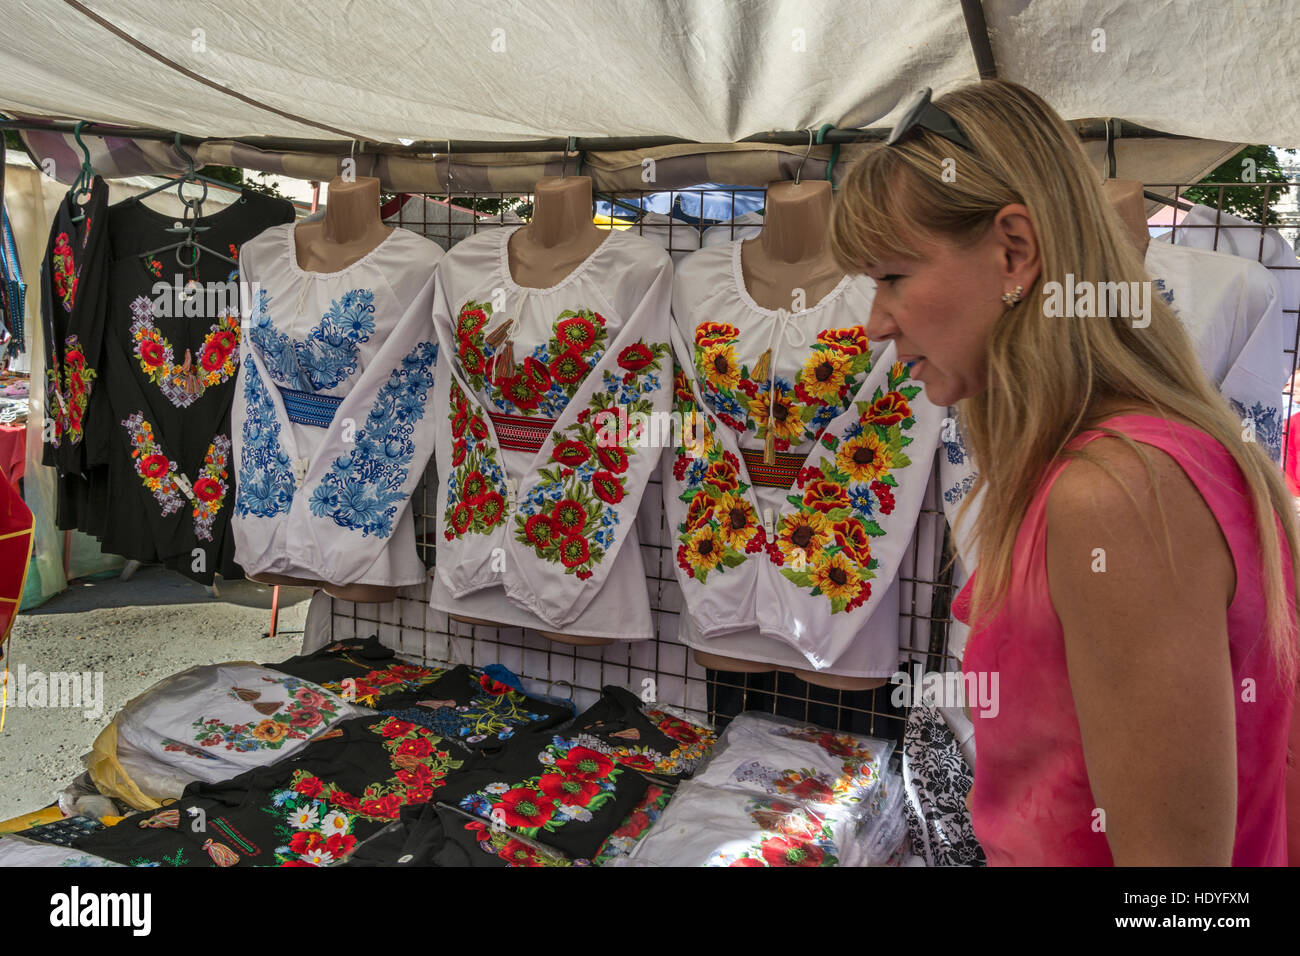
[(791, 557), (549, 397), (330, 427)]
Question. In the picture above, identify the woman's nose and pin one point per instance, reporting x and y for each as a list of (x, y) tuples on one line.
[(880, 326)]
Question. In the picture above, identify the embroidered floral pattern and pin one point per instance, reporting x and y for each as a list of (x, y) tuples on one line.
[(791, 835), (266, 483), (565, 517), (694, 743), (363, 491), (504, 845), (314, 833), (209, 491), (64, 270), (825, 543), (496, 712), (544, 381), (475, 504), (371, 688), (169, 486), (184, 384), (575, 783), (68, 403), (154, 266), (798, 410), (329, 353), (156, 470), (419, 764), (303, 712), (721, 526)]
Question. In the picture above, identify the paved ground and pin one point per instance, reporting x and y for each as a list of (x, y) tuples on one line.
[(134, 633)]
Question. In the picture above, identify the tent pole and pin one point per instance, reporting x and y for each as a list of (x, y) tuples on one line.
[(978, 31)]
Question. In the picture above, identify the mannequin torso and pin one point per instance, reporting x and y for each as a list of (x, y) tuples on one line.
[(350, 230)]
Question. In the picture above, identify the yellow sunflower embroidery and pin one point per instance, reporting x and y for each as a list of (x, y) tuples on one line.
[(837, 577), (864, 458), (736, 517), (824, 373), (803, 535), (786, 421), (720, 367), (704, 551)]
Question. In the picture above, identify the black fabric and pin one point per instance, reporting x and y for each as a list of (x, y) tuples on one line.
[(188, 417), (74, 314), (475, 711), (641, 737), (367, 768), (418, 838), (525, 780), (378, 678)]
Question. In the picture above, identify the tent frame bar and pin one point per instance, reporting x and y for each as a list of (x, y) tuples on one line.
[(1087, 129)]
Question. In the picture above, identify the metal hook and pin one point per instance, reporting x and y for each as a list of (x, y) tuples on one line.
[(570, 147), (799, 172)]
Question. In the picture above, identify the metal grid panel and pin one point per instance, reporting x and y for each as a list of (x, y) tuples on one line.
[(925, 575)]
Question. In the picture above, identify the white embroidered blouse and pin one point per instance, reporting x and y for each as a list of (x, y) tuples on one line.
[(537, 508), (792, 562), (329, 425)]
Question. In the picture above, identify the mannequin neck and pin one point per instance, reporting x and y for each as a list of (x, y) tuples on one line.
[(562, 212), (795, 223), (352, 212), (1125, 196)]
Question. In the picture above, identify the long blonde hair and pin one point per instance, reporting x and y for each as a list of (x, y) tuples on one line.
[(1046, 375)]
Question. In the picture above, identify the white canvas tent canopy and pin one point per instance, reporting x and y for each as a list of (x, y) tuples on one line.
[(704, 70), (295, 88)]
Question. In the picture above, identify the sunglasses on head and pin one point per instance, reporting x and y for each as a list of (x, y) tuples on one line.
[(922, 114)]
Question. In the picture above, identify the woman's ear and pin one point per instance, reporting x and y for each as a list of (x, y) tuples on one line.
[(1017, 241)]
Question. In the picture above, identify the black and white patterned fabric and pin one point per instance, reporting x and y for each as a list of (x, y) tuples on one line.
[(936, 780)]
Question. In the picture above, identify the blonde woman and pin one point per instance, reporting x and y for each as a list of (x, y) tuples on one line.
[(1135, 589)]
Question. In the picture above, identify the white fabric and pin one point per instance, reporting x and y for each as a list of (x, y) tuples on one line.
[(752, 610), (214, 721), (1206, 228), (745, 226), (1231, 309), (491, 570), (679, 238), (697, 69), (332, 502), (17, 850)]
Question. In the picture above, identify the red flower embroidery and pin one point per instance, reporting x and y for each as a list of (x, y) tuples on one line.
[(213, 357), (525, 807), (208, 489), (462, 517), (474, 488), (310, 786), (568, 367), (539, 530), (890, 409), (570, 517), (585, 764), (574, 551), (636, 357), (607, 487), (572, 791), (613, 458), (458, 453), (493, 687), (397, 728), (492, 508), (154, 466), (885, 495), (575, 334), (825, 496), (570, 453), (785, 851), (152, 353)]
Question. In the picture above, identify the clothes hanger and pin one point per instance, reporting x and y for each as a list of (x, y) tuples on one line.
[(81, 186), (194, 207)]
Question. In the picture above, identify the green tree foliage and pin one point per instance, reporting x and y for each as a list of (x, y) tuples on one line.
[(1239, 196)]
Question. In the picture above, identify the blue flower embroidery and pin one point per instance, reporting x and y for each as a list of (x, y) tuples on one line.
[(1267, 420), (265, 487), (959, 491), (362, 490), (329, 353)]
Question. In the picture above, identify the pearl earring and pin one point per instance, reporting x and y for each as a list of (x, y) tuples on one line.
[(1011, 298)]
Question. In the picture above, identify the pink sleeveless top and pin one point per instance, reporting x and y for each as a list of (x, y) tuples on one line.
[(1031, 803)]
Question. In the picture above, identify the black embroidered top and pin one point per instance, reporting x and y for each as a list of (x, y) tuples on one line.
[(172, 351)]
